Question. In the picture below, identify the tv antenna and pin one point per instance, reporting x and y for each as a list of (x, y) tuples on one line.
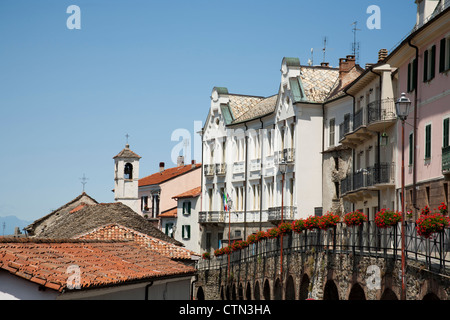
[(355, 44), (84, 181), (324, 49)]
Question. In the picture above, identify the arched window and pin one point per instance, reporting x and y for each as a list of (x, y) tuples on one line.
[(128, 171)]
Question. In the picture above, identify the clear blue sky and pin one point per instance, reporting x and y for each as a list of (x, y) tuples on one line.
[(146, 68)]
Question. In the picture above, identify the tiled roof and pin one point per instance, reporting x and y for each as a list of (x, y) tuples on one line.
[(126, 153), (167, 174), (105, 263), (190, 193), (261, 108), (241, 104), (118, 232), (171, 213), (318, 82), (90, 217)]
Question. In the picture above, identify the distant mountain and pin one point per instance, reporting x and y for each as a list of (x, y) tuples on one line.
[(10, 223)]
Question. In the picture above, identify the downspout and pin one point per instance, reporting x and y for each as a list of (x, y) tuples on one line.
[(353, 150), (261, 183), (416, 64), (245, 183), (378, 137), (146, 289), (192, 286)]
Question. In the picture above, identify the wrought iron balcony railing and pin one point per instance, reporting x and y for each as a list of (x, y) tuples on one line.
[(289, 213), (221, 169), (209, 169), (381, 110), (380, 173)]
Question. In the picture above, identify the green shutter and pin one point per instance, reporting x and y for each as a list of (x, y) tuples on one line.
[(414, 74), (446, 132), (411, 148), (189, 207), (184, 207), (188, 231), (433, 62), (442, 55), (428, 141), (425, 66)]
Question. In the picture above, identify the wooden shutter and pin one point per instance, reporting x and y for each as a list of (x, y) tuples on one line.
[(189, 207), (409, 77), (411, 148), (425, 66), (446, 141), (433, 62), (442, 55), (428, 141)]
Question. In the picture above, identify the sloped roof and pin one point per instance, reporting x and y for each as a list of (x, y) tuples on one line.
[(126, 153), (117, 232), (189, 194), (171, 213), (241, 104), (167, 174), (318, 82), (101, 263), (258, 109), (82, 199), (94, 216)]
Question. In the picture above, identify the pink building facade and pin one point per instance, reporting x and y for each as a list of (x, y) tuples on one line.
[(423, 74)]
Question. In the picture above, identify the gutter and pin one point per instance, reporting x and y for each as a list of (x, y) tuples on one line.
[(353, 150), (416, 65), (261, 183)]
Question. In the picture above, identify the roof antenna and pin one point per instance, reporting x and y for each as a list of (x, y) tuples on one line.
[(324, 48), (84, 181), (355, 44), (311, 60)]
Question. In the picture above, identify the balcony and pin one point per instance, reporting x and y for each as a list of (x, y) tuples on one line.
[(377, 177), (287, 154), (381, 114), (446, 160), (356, 134), (221, 169), (209, 170), (289, 213), (239, 167), (211, 217)]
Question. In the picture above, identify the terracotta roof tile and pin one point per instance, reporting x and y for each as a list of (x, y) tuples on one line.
[(167, 174), (189, 194), (101, 263), (171, 213)]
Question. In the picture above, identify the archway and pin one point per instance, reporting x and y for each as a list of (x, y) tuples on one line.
[(248, 292), (290, 289), (388, 294), (256, 294), (330, 292), (200, 294), (266, 290), (278, 290), (304, 287), (357, 293), (431, 296)]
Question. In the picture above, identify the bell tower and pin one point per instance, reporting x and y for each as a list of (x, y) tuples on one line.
[(126, 178)]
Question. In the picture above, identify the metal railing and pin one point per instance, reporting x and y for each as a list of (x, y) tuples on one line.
[(381, 110), (209, 169), (221, 169), (380, 173), (364, 240)]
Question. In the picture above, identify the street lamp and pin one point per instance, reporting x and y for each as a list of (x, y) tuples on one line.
[(282, 166), (402, 107)]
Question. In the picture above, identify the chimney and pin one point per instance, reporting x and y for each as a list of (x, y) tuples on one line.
[(180, 161), (325, 64), (161, 166), (382, 54), (193, 164), (345, 65), (425, 9)]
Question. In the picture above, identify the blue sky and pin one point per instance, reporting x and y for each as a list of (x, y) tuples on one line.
[(146, 68)]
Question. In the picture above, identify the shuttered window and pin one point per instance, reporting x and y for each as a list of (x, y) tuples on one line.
[(428, 141), (444, 55), (411, 148), (446, 133), (429, 64)]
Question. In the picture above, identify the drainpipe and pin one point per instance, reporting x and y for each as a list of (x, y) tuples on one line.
[(416, 64), (146, 289), (245, 183), (353, 150), (192, 286), (261, 183)]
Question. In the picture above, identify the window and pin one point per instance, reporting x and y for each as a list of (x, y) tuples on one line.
[(429, 64), (187, 207), (444, 55), (411, 148), (144, 203), (428, 141), (169, 229), (332, 130), (446, 132), (412, 75), (128, 171), (186, 232)]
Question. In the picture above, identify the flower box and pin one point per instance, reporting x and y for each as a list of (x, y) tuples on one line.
[(298, 225), (329, 220), (285, 228), (206, 256), (386, 218), (428, 224), (312, 222), (355, 218)]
